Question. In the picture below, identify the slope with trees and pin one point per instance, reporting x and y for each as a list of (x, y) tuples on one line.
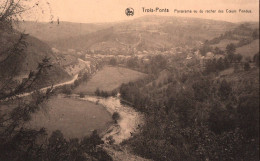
[(18, 142), (198, 116)]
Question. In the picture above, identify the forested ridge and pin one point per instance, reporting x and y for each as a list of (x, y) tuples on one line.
[(196, 114)]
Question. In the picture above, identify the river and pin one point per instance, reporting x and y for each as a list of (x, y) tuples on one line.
[(129, 123), (130, 120)]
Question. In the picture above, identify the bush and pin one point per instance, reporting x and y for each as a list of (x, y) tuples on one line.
[(67, 90)]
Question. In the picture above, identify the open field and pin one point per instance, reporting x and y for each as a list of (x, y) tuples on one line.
[(73, 117), (249, 50), (108, 79), (223, 44)]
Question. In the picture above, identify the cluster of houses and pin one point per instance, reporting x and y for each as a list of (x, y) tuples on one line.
[(88, 58)]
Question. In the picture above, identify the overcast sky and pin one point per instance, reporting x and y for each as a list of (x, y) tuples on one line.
[(92, 11)]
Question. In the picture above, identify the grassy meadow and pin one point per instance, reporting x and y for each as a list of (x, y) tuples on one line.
[(108, 79), (73, 117), (223, 44), (249, 50)]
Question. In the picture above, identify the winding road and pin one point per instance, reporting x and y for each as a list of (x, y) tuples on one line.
[(44, 89)]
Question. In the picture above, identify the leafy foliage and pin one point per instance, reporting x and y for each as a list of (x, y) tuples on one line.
[(19, 100), (201, 118), (115, 116)]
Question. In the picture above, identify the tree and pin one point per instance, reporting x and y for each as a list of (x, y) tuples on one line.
[(12, 11), (159, 62), (220, 119), (113, 61), (81, 95), (97, 92), (115, 116), (17, 141), (201, 89), (67, 89), (255, 34), (246, 66), (220, 64), (59, 149), (237, 57), (230, 50), (204, 49), (248, 111), (256, 59), (12, 130), (236, 68), (211, 66), (110, 140), (226, 63), (132, 62), (217, 50), (224, 90), (184, 107)]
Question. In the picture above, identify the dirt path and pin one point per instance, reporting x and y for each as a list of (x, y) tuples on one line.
[(54, 86), (45, 88)]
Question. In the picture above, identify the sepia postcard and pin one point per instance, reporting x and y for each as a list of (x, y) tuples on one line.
[(129, 80)]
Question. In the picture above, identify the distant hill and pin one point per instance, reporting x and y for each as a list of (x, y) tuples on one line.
[(250, 24), (55, 31), (245, 37), (147, 33), (144, 33), (21, 63), (84, 41)]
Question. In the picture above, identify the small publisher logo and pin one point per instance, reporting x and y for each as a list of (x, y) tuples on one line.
[(129, 11)]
